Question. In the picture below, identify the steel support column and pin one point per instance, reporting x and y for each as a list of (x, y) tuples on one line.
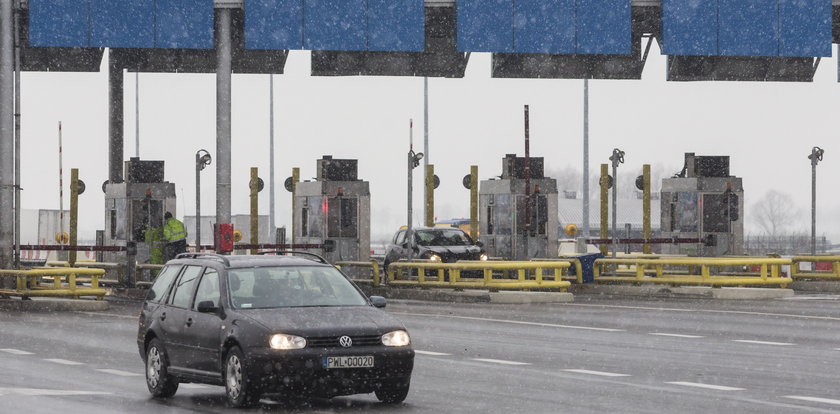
[(115, 120), (7, 131), (223, 115)]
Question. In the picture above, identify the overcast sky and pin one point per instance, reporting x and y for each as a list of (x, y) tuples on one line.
[(767, 129)]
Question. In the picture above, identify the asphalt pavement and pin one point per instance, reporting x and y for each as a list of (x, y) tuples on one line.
[(598, 354)]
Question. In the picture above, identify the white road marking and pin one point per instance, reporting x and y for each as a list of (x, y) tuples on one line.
[(120, 373), (675, 335), (746, 341), (432, 353), (598, 373), (500, 361), (813, 399), (46, 392), (547, 325), (63, 361), (784, 315), (707, 386), (15, 351)]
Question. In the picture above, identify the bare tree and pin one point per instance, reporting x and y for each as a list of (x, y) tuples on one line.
[(775, 213)]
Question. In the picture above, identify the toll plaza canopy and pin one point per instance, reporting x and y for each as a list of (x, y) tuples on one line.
[(703, 39)]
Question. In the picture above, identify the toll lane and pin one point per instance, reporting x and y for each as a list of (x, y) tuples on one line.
[(590, 356)]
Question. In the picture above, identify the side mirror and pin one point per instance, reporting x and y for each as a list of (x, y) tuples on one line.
[(404, 245), (378, 301), (479, 243), (207, 306)]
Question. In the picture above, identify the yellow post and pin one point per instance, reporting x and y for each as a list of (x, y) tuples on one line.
[(295, 179), (74, 212), (604, 206), (474, 202), (255, 223), (430, 195), (646, 206)]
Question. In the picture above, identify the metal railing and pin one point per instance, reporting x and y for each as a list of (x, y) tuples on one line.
[(706, 271), (529, 275), (796, 271), (373, 265), (55, 282)]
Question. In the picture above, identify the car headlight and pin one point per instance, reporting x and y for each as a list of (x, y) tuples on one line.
[(396, 338), (283, 341), (433, 257), (483, 257)]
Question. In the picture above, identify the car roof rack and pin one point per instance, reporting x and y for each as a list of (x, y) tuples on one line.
[(285, 252), (202, 255)]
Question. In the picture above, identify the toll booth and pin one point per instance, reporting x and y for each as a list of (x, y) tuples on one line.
[(502, 210), (334, 208), (704, 201), (135, 205)]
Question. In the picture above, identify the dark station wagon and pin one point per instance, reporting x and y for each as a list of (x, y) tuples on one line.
[(274, 324)]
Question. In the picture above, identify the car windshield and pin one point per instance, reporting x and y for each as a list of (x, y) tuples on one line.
[(291, 286), (442, 237)]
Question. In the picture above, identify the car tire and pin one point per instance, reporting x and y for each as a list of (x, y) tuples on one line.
[(160, 383), (393, 394), (240, 392)]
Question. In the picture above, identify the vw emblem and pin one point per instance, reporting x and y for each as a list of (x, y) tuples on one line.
[(345, 341)]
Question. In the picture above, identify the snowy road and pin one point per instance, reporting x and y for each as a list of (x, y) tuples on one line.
[(595, 355)]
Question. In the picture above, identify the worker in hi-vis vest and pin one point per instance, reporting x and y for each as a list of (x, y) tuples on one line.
[(176, 236)]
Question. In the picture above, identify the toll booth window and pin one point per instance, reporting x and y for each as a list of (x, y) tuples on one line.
[(342, 217), (715, 217), (504, 217), (304, 222), (687, 210), (317, 208), (490, 220), (208, 289), (184, 287), (539, 214)]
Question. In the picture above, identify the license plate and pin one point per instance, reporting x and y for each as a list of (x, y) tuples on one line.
[(348, 362)]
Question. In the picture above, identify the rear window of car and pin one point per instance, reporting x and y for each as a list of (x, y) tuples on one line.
[(158, 290), (291, 286)]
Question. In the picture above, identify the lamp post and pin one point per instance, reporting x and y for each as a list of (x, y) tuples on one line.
[(815, 157), (202, 159), (617, 157)]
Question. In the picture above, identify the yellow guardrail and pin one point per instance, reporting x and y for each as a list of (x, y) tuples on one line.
[(796, 271), (57, 281), (711, 271), (529, 275), (376, 275)]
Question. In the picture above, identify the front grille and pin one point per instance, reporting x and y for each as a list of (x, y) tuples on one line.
[(332, 341)]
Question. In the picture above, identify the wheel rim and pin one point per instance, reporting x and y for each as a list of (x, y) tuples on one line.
[(153, 365), (234, 377)]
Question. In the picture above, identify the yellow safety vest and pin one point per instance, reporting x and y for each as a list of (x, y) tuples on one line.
[(174, 230)]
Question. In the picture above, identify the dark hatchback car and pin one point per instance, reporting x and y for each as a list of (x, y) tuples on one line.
[(440, 244), (270, 325)]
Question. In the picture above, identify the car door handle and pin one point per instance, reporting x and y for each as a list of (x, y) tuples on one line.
[(163, 316), (189, 321)]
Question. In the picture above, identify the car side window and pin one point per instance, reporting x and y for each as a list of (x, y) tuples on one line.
[(158, 290), (400, 237), (183, 289), (208, 289)]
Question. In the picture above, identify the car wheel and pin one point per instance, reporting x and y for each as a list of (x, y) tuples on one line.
[(160, 383), (239, 390), (393, 394)]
